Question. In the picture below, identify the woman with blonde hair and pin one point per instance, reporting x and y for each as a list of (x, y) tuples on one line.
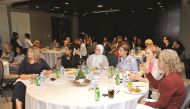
[(171, 86), (30, 67), (151, 53), (148, 42), (7, 53)]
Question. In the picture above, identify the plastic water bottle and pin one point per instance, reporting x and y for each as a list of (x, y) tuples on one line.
[(61, 71), (42, 78)]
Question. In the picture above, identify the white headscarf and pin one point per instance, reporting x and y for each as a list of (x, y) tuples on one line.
[(101, 48), (97, 58)]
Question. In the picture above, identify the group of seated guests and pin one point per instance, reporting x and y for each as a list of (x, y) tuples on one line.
[(162, 68)]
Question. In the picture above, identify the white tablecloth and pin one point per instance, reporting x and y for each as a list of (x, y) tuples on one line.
[(51, 56), (62, 94), (6, 67)]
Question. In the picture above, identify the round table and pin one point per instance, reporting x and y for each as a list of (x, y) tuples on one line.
[(51, 56), (6, 67), (62, 94)]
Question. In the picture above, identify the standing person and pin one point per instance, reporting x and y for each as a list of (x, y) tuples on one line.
[(105, 40), (0, 45), (166, 43), (7, 53), (29, 68), (171, 86), (26, 43), (14, 42)]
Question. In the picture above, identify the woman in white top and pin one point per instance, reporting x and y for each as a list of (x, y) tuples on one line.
[(98, 60), (14, 66), (151, 63), (26, 43)]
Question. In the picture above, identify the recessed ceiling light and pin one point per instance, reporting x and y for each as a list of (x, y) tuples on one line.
[(100, 5), (52, 9), (106, 13), (56, 7), (158, 3), (161, 6), (66, 3), (65, 11), (75, 13), (37, 7), (132, 11), (150, 8)]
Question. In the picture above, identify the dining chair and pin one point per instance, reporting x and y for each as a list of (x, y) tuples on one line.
[(1, 80), (186, 102)]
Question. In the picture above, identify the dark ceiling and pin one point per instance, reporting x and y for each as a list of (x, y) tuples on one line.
[(88, 7)]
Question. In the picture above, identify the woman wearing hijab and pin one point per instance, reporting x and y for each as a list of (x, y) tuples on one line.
[(98, 60)]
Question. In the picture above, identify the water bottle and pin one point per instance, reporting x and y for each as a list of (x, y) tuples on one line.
[(62, 71), (42, 78), (97, 94)]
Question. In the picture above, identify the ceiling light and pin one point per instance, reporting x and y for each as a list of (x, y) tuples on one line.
[(37, 7), (56, 7), (65, 11), (66, 3), (163, 9), (150, 8), (161, 6), (52, 9), (106, 13), (158, 3), (100, 6), (75, 13), (132, 11), (84, 15)]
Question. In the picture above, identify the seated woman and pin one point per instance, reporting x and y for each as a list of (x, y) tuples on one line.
[(7, 53), (171, 86), (70, 60), (151, 63), (126, 62), (14, 66), (98, 60), (29, 67), (112, 58)]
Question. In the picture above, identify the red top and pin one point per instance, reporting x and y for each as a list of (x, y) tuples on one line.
[(172, 91)]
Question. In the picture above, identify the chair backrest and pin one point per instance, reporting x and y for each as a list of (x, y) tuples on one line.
[(186, 102), (1, 72), (138, 63)]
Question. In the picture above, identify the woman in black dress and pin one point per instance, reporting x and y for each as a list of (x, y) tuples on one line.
[(70, 60), (29, 67)]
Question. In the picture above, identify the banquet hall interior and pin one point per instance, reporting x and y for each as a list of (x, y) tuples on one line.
[(94, 54)]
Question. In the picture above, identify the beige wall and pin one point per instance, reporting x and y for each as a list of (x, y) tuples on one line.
[(185, 27), (40, 25), (4, 23), (20, 23)]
